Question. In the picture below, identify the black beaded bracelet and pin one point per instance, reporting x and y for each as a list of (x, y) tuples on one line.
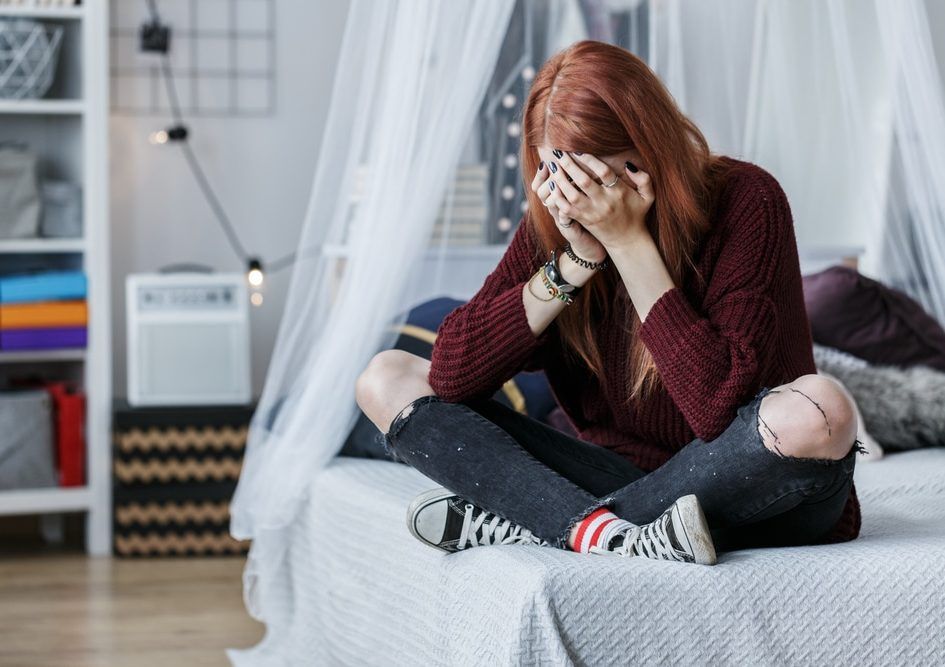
[(600, 266)]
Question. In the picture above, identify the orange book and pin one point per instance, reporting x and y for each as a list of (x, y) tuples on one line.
[(44, 314)]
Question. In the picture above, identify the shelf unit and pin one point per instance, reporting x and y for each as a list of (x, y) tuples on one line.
[(69, 131)]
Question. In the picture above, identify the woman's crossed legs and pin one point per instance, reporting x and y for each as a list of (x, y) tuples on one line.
[(780, 473)]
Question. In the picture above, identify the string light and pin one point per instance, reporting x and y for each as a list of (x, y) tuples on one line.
[(254, 273), (155, 37), (509, 101)]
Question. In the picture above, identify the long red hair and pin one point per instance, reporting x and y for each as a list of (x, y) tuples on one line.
[(601, 99)]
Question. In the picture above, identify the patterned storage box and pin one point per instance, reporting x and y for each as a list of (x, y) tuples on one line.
[(175, 470)]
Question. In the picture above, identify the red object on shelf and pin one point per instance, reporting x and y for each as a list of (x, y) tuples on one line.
[(69, 428), (70, 443)]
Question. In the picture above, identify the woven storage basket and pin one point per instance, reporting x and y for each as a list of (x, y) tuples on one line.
[(29, 51)]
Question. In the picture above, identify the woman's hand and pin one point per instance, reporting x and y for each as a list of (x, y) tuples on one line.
[(583, 243), (615, 215)]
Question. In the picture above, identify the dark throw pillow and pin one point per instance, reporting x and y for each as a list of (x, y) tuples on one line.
[(527, 392), (870, 320)]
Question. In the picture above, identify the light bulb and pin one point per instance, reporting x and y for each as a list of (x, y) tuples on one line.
[(504, 224), (256, 298), (254, 273), (508, 101), (511, 161), (508, 192), (158, 137), (514, 129)]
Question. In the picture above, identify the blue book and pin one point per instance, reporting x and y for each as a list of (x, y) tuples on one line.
[(46, 286)]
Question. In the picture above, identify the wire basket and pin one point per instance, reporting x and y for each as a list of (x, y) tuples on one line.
[(29, 51)]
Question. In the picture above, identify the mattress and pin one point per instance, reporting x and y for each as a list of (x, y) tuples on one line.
[(355, 588)]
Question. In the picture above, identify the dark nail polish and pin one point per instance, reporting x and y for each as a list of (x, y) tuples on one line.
[(557, 153), (541, 165), (552, 186), (553, 167), (578, 153), (631, 166)]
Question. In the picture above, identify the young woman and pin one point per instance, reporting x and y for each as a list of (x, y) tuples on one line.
[(658, 287)]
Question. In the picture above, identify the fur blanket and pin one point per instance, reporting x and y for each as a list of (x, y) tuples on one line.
[(903, 408)]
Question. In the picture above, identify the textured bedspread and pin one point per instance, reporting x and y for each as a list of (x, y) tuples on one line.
[(357, 589)]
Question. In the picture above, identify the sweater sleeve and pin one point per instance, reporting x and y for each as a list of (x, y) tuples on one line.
[(711, 358), (486, 341)]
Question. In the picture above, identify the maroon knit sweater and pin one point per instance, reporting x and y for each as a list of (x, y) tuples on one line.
[(714, 347)]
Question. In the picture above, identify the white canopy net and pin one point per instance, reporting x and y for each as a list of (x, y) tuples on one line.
[(417, 188)]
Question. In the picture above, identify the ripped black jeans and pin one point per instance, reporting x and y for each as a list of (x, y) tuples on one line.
[(544, 480)]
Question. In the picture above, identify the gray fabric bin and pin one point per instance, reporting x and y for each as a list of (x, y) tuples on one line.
[(62, 210), (26, 440), (19, 193)]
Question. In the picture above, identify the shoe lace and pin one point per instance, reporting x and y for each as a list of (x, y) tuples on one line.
[(650, 540), (487, 528)]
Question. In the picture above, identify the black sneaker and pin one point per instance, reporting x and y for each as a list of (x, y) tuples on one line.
[(442, 519), (680, 533)]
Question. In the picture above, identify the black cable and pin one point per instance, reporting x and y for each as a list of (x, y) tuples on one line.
[(216, 206), (281, 263), (214, 202), (152, 10)]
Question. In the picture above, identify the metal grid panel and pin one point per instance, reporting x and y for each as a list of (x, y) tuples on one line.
[(222, 56)]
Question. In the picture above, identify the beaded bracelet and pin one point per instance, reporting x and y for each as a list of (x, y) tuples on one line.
[(600, 266)]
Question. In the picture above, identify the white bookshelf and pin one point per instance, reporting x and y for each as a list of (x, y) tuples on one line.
[(40, 246), (69, 131), (42, 107)]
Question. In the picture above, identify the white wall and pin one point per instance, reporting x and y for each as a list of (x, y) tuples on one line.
[(261, 168)]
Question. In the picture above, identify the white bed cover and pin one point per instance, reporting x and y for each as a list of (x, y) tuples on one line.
[(358, 589)]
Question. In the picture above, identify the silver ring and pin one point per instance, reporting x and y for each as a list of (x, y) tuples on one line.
[(610, 185)]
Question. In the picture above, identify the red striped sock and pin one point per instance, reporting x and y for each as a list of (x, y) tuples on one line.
[(592, 528)]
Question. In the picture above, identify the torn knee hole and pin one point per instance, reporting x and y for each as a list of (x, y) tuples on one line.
[(768, 435), (792, 432), (405, 411), (398, 420)]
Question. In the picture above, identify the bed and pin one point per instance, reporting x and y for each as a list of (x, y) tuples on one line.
[(357, 589)]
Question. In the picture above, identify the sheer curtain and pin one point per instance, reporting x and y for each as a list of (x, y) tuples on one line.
[(402, 209), (841, 100), (407, 88)]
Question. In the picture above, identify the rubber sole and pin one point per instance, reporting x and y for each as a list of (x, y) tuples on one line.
[(696, 529), (413, 509)]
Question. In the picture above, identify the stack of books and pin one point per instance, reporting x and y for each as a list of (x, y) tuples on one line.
[(461, 219), (40, 311)]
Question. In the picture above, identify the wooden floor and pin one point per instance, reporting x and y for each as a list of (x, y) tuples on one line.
[(78, 611)]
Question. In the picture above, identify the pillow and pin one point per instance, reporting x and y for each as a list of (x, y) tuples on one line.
[(527, 392), (872, 321)]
